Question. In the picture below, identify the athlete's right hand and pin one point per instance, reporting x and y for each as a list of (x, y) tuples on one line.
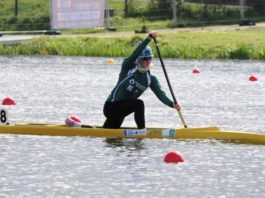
[(176, 106)]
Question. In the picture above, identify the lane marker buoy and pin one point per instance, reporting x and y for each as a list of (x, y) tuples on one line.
[(196, 71), (8, 101), (173, 157), (253, 78), (110, 61)]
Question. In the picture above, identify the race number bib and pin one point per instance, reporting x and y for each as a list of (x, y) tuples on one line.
[(3, 116)]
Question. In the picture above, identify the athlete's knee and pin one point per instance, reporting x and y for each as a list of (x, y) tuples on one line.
[(113, 123), (139, 104)]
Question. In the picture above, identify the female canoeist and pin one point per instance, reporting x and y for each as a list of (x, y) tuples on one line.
[(134, 79)]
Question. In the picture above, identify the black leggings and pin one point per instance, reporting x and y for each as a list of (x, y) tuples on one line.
[(115, 113)]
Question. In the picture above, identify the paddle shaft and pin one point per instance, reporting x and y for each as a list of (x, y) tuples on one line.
[(168, 82)]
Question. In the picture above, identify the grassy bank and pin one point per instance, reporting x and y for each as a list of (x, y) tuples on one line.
[(205, 44)]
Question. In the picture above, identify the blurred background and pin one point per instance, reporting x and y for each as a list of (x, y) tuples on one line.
[(29, 15)]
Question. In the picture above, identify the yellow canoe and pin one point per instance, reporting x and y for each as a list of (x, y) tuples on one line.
[(160, 133)]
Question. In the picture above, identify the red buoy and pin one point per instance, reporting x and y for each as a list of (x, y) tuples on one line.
[(8, 101), (253, 78), (196, 71), (173, 157)]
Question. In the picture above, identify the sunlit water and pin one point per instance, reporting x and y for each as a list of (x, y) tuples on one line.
[(48, 89)]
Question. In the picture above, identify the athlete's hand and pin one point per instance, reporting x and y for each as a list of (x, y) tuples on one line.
[(176, 106), (152, 34)]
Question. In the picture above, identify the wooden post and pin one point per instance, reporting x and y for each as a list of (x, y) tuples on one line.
[(174, 13), (242, 10), (16, 8), (126, 8)]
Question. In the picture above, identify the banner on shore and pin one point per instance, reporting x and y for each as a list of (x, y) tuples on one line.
[(70, 14)]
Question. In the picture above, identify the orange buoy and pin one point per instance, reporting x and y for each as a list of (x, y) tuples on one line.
[(173, 157), (8, 101)]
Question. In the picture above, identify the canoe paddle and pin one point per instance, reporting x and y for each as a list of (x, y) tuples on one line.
[(169, 85)]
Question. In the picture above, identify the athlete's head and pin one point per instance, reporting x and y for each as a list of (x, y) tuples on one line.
[(144, 60)]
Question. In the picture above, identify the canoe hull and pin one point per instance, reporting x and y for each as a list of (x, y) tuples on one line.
[(158, 133)]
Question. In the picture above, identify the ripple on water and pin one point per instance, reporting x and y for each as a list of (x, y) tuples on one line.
[(47, 89)]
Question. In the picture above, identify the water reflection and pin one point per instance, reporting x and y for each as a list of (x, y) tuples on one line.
[(129, 144)]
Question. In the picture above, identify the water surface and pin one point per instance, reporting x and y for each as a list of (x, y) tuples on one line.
[(48, 89)]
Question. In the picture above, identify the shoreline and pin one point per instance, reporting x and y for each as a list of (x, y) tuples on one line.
[(213, 42)]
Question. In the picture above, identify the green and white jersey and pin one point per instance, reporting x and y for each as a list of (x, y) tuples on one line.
[(132, 83)]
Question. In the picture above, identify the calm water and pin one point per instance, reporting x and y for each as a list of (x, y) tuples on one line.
[(48, 89)]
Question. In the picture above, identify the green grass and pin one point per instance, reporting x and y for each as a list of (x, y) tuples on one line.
[(234, 44), (207, 44), (34, 15), (25, 7)]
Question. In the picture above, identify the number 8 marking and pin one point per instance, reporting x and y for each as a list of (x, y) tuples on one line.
[(3, 116)]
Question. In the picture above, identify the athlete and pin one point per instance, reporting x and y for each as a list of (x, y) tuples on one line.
[(134, 78)]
